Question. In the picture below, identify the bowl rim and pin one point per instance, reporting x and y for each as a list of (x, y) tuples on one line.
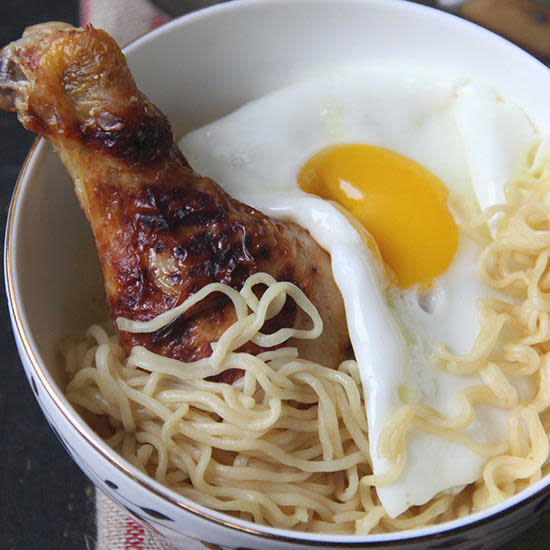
[(56, 396)]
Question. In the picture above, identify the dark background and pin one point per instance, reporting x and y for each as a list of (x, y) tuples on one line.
[(45, 501)]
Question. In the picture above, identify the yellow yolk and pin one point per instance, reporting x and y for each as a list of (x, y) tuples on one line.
[(400, 203)]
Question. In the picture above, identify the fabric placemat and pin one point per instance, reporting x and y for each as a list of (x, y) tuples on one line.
[(124, 20), (118, 531)]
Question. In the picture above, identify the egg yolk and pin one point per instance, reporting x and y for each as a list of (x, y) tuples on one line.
[(398, 201)]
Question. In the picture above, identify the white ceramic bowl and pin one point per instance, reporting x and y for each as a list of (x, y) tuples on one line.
[(196, 69)]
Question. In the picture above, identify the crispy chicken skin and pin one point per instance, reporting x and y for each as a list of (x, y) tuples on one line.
[(162, 231)]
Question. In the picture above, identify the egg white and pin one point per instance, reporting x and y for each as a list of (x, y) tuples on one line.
[(468, 136)]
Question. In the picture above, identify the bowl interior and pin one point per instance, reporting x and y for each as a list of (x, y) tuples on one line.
[(210, 63)]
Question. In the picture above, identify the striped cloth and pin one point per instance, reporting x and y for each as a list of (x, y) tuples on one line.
[(124, 20), (117, 531)]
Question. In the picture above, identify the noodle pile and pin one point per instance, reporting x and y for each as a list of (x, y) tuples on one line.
[(287, 444)]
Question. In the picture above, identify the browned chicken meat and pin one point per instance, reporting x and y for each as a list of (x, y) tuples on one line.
[(162, 231)]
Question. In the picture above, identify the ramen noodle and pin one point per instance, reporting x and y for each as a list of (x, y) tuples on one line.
[(287, 444)]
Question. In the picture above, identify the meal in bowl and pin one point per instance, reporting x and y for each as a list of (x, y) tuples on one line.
[(230, 377)]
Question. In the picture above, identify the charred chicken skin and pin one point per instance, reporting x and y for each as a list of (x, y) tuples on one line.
[(162, 231)]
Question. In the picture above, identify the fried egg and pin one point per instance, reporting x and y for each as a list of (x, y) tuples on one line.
[(387, 144)]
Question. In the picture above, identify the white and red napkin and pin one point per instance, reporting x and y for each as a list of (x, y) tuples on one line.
[(124, 20)]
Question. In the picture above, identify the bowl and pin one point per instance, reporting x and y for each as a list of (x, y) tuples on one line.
[(212, 62)]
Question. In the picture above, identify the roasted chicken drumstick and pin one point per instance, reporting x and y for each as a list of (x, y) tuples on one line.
[(162, 231)]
